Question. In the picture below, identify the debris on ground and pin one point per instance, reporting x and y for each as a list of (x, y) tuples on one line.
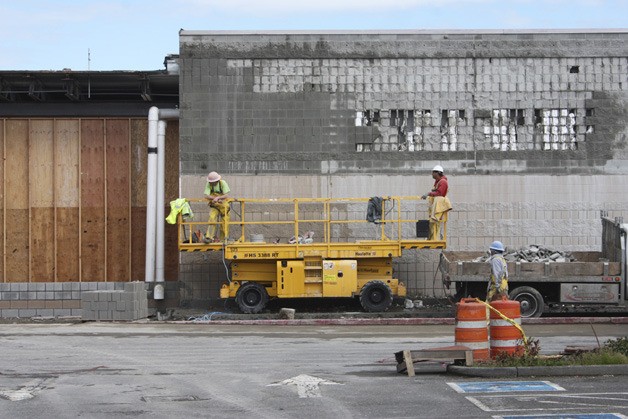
[(533, 253)]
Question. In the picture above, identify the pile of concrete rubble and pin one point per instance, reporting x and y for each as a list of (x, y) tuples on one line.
[(533, 253)]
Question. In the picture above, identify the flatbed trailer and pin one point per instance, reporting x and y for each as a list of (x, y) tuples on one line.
[(594, 282), (345, 256)]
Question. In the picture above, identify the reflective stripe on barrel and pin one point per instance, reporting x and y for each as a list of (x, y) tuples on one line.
[(504, 343), (471, 328), (505, 338)]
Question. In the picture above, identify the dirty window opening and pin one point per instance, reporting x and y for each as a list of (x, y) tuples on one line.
[(574, 69), (590, 128), (451, 119), (366, 118), (396, 129), (555, 129), (501, 130)]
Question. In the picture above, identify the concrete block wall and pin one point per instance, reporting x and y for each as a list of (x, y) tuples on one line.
[(531, 127), (130, 303), (49, 299)]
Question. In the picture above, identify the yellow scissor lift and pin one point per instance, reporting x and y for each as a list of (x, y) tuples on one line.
[(346, 257)]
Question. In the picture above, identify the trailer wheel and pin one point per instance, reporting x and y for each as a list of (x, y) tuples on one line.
[(376, 296), (531, 301), (251, 298)]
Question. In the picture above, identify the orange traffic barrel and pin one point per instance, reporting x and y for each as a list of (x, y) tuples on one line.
[(505, 338), (471, 327)]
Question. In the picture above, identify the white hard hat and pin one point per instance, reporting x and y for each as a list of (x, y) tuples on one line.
[(438, 168), (213, 177)]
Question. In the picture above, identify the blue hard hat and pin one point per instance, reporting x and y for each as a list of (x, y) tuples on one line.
[(497, 245)]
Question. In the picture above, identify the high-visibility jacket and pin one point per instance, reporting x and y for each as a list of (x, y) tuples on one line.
[(499, 270), (180, 205)]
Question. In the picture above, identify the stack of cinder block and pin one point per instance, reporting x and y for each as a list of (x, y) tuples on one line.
[(128, 304)]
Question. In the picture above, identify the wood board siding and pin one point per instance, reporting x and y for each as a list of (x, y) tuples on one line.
[(73, 199)]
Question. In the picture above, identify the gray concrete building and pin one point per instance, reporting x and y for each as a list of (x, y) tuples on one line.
[(530, 126)]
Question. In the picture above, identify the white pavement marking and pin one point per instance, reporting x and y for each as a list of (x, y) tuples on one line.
[(504, 386), (567, 416), (307, 386), (500, 403)]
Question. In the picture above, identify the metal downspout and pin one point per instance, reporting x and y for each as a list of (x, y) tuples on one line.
[(155, 192), (161, 183), (151, 194)]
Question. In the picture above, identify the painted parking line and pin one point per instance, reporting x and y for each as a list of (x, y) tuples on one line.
[(546, 402), (504, 386), (567, 416)]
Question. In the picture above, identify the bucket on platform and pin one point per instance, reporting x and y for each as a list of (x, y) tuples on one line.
[(471, 328), (505, 338)]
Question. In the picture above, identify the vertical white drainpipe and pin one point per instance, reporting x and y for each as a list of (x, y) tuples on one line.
[(161, 185), (155, 183), (151, 194)]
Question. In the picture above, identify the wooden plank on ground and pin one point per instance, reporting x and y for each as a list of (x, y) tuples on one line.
[(118, 200), (16, 200), (66, 186), (406, 359), (92, 200), (41, 186)]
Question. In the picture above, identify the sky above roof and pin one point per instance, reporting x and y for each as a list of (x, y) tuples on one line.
[(138, 34)]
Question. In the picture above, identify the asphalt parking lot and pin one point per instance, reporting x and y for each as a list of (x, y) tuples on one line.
[(207, 370)]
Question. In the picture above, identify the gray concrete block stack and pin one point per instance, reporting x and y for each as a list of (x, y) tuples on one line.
[(128, 304)]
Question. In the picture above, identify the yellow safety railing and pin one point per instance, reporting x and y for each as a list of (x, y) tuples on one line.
[(396, 212)]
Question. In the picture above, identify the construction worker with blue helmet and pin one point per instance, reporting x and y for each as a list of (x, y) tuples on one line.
[(498, 282)]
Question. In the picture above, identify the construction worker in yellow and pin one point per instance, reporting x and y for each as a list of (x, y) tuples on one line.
[(498, 282), (216, 192), (439, 204)]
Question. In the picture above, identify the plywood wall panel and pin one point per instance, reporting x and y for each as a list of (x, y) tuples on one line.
[(17, 248), (92, 200), (42, 256), (17, 164), (41, 187), (73, 199), (118, 200), (138, 244), (66, 159), (68, 244), (171, 262), (16, 201), (139, 145), (2, 158), (172, 162), (40, 150)]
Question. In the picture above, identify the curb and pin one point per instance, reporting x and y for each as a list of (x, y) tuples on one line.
[(562, 371), (416, 321)]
